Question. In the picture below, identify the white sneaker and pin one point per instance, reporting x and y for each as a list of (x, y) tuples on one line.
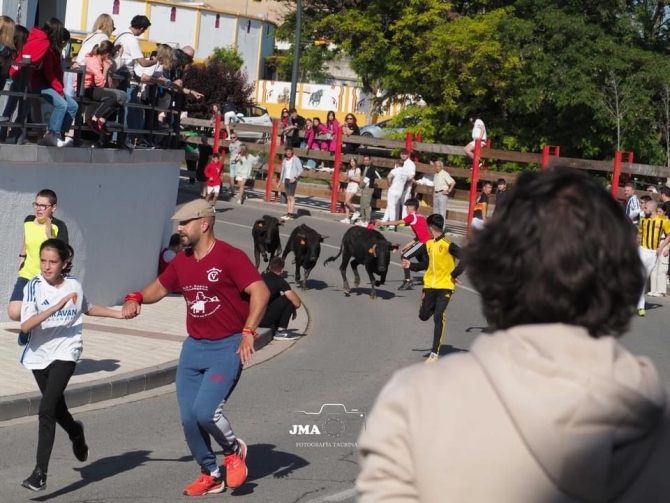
[(355, 216), (432, 358), (654, 294), (285, 217), (239, 201), (345, 221), (68, 141), (362, 223)]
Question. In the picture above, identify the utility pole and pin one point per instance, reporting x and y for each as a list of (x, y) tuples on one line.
[(296, 53)]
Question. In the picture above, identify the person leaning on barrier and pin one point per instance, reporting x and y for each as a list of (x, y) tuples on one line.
[(7, 48), (550, 407), (20, 39)]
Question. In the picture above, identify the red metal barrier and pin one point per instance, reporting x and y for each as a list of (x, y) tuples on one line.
[(271, 160), (217, 131), (473, 184), (408, 142), (337, 163), (546, 152), (616, 171)]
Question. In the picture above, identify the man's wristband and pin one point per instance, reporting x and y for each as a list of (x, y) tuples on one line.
[(23, 256), (251, 332), (135, 296)]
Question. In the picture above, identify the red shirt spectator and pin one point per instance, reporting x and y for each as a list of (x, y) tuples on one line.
[(418, 224), (213, 174)]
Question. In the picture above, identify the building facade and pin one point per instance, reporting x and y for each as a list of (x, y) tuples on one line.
[(32, 12), (181, 23)]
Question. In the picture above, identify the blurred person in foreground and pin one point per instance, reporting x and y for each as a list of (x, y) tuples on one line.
[(550, 408)]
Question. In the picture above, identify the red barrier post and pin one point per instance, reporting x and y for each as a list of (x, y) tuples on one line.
[(337, 163), (546, 153), (217, 131), (408, 142), (486, 161), (616, 173), (473, 185), (271, 159)]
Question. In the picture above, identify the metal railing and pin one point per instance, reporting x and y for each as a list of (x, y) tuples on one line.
[(28, 99)]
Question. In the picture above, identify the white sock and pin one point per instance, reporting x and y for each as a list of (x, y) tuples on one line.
[(216, 473)]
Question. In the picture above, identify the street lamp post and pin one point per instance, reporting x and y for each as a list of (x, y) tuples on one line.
[(296, 54)]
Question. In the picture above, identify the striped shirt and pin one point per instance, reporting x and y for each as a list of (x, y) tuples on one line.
[(651, 230), (633, 209)]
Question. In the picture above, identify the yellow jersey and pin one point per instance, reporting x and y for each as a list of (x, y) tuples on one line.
[(651, 230), (35, 234), (441, 268)]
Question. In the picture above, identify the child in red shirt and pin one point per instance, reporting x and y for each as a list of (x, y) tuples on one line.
[(213, 173)]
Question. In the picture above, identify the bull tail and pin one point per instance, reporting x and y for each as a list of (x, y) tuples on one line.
[(331, 259)]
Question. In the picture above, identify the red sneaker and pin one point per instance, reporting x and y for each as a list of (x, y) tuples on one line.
[(206, 484), (236, 466)]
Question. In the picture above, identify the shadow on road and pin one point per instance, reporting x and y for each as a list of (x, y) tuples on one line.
[(101, 469), (88, 366), (263, 460), (315, 284)]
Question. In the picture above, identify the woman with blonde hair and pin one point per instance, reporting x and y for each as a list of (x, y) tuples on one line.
[(102, 30), (244, 163), (7, 48)]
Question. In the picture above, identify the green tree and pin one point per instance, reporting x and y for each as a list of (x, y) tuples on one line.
[(229, 56)]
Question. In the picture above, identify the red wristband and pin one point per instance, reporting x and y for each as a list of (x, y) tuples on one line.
[(135, 296), (248, 331)]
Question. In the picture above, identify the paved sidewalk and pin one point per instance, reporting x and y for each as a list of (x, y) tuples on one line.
[(120, 357)]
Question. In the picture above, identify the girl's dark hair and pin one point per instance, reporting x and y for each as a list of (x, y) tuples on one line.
[(104, 47), (20, 37), (55, 31), (65, 252), (561, 250)]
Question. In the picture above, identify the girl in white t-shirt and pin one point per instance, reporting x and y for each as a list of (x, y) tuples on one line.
[(51, 313), (353, 183)]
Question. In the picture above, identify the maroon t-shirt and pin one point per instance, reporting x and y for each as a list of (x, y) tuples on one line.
[(213, 288)]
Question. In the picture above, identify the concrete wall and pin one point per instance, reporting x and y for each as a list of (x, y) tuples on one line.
[(117, 206)]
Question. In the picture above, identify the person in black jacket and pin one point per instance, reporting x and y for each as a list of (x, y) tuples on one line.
[(501, 195)]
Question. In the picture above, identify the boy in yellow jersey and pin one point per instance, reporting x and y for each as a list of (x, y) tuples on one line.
[(37, 228), (649, 235), (439, 281)]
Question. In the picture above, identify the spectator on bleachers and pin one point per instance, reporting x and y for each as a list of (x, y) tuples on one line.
[(318, 129), (350, 128), (156, 75), (309, 134), (244, 164), (7, 48), (99, 86), (20, 38), (332, 126), (44, 46), (102, 30), (132, 55)]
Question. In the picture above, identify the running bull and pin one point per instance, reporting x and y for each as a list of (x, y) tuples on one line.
[(266, 238), (305, 243), (367, 247)]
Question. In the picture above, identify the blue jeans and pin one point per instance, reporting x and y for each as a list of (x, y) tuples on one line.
[(207, 374), (65, 110)]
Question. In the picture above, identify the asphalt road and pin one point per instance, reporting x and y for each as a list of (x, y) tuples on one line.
[(353, 346)]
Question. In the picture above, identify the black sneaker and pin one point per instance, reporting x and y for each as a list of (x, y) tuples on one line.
[(406, 285), (79, 447), (37, 480)]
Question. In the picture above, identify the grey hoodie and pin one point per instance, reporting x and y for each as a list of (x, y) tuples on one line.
[(538, 413)]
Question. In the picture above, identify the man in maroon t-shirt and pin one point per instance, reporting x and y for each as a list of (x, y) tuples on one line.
[(226, 298), (417, 247)]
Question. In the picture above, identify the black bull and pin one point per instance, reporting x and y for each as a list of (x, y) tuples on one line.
[(367, 247), (266, 238), (305, 243)]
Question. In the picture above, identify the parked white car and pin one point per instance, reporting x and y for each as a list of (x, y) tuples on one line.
[(256, 116)]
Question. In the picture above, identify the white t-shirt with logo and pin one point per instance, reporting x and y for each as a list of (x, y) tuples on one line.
[(59, 336), (477, 129), (131, 49)]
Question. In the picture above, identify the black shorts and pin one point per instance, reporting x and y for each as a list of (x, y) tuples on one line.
[(17, 293), (290, 187), (416, 250)]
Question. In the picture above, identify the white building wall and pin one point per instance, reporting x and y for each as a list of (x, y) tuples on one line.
[(73, 16), (248, 45), (181, 31), (117, 207), (128, 9), (211, 37)]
